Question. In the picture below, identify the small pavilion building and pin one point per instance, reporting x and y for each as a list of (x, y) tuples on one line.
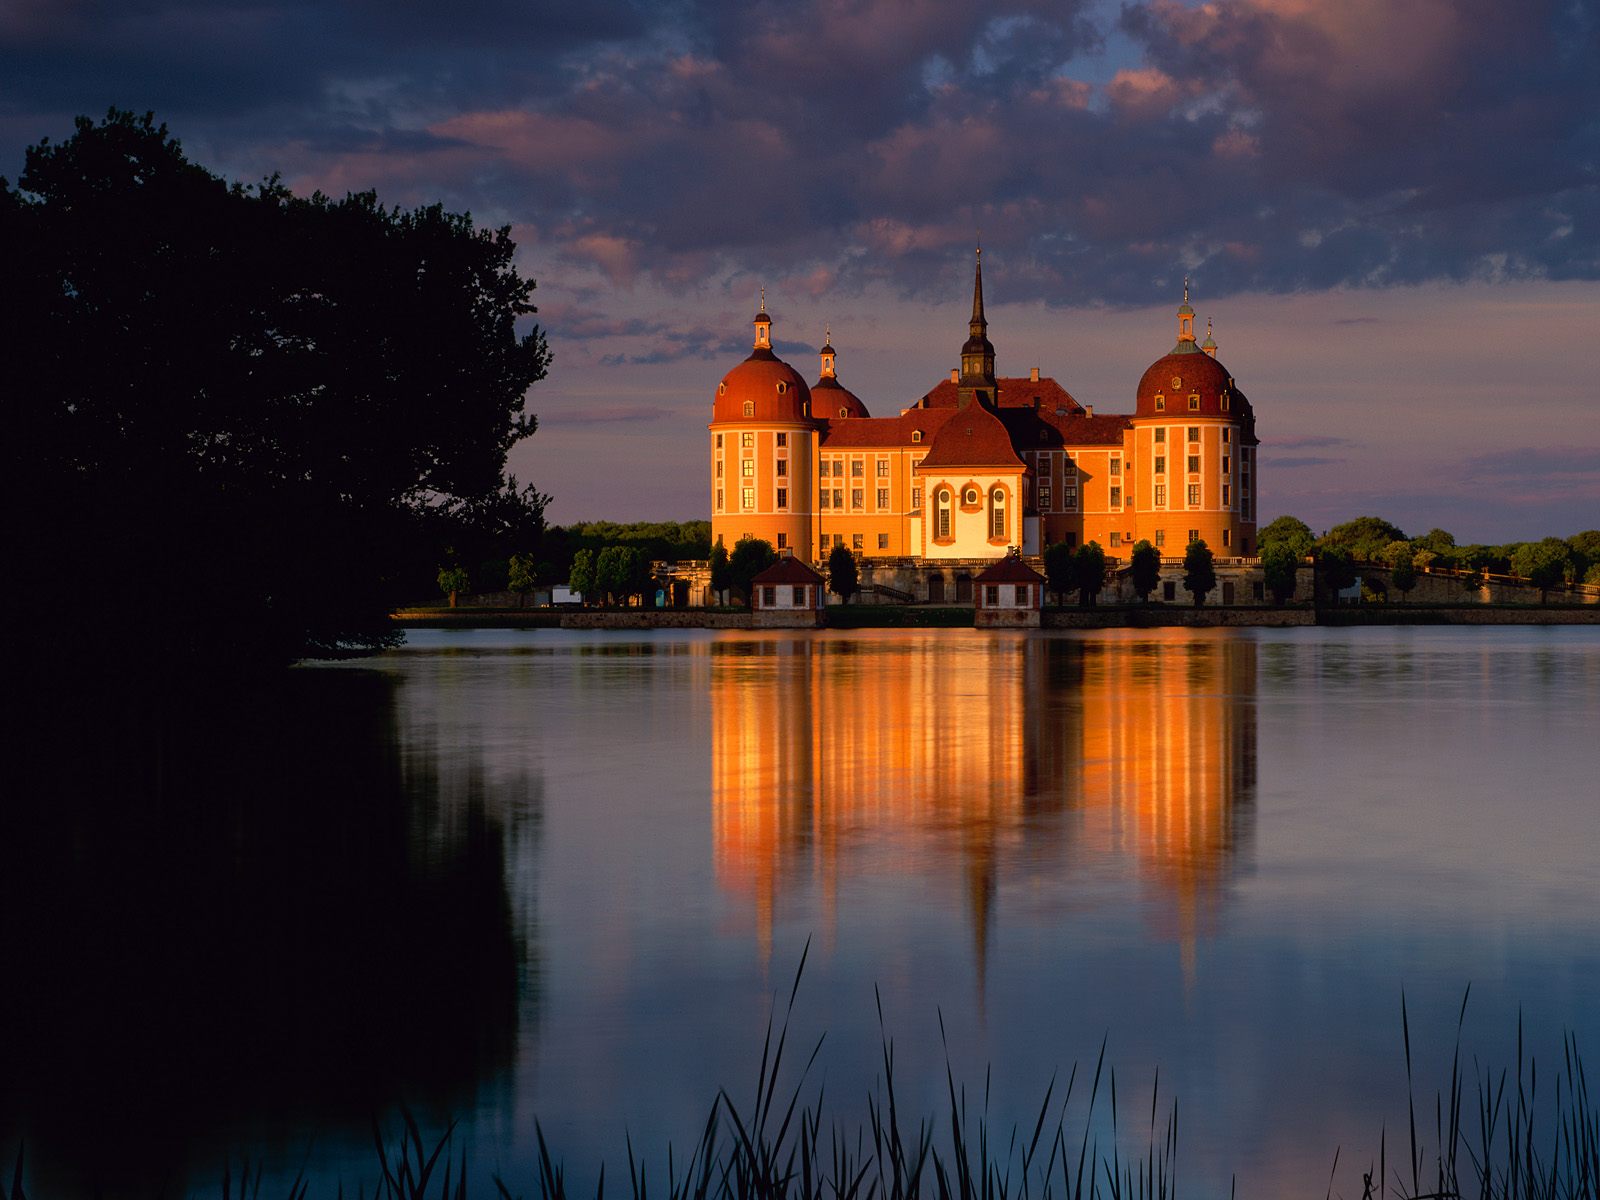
[(788, 594), (1008, 595)]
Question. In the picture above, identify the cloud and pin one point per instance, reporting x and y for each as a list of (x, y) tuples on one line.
[(1551, 464), (609, 415), (1307, 461), (1261, 145), (1307, 442)]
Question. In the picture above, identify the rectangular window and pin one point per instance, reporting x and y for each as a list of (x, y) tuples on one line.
[(747, 497), (1044, 496), (1194, 433), (823, 547), (1194, 464), (747, 466), (783, 540), (719, 441), (1169, 590), (783, 497), (799, 595), (747, 439), (719, 499), (1072, 541), (857, 468), (1116, 497), (991, 595), (883, 468), (1161, 464), (1194, 402), (719, 468), (856, 499), (1116, 466), (1225, 464), (1227, 537), (856, 541), (916, 498), (1161, 495), (1194, 496), (838, 468), (1116, 539), (883, 497), (1227, 435), (783, 467), (822, 498), (1194, 536), (1024, 595), (838, 497), (1161, 436), (1161, 537), (783, 439), (769, 597), (883, 541), (1226, 493)]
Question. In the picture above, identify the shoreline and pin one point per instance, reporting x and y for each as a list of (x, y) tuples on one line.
[(924, 617)]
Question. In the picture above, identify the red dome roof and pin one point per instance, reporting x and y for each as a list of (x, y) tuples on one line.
[(1178, 376), (771, 387), (829, 397)]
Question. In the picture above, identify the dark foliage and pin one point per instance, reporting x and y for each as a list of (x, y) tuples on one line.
[(1059, 569), (843, 578), (1145, 565), (248, 409), (1199, 571), (750, 557), (1089, 572)]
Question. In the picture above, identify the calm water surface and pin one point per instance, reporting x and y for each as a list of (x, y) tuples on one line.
[(550, 874)]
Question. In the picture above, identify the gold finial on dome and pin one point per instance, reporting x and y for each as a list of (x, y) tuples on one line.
[(764, 294)]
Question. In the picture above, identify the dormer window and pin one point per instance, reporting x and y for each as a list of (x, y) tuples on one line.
[(1161, 404), (722, 389), (916, 435), (1225, 399), (843, 411), (749, 408), (782, 387), (1194, 401)]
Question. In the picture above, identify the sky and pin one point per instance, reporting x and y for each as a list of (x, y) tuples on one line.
[(1391, 211)]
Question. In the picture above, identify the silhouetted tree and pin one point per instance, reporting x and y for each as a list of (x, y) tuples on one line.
[(750, 557), (1289, 532), (1281, 568), (1145, 566), (844, 580), (1199, 571), (1059, 569), (1364, 538), (1543, 563), (721, 577), (1403, 574), (581, 578), (1337, 569), (284, 389), (1089, 572)]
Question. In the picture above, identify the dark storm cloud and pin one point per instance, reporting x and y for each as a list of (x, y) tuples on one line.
[(1550, 463), (1259, 144)]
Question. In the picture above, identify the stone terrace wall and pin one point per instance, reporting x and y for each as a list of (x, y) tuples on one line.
[(656, 618)]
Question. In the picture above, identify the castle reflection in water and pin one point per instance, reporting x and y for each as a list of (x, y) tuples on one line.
[(1036, 764)]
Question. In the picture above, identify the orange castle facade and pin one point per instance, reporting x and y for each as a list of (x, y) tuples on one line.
[(983, 465)]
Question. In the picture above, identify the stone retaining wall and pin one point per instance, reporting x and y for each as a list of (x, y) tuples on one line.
[(1154, 617), (655, 618)]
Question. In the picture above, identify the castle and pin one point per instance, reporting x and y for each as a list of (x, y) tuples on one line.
[(982, 465)]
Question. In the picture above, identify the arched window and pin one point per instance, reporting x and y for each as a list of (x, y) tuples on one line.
[(916, 435), (749, 408), (997, 513), (941, 528)]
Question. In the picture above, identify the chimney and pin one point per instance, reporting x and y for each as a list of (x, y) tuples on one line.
[(955, 375), (1088, 410), (1033, 374)]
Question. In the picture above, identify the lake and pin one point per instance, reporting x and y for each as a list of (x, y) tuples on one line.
[(500, 875)]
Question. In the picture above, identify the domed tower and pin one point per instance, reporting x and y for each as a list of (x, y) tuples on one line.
[(1194, 450), (763, 445), (830, 399)]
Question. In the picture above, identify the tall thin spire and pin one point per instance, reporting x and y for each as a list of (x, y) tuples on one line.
[(979, 324), (977, 379)]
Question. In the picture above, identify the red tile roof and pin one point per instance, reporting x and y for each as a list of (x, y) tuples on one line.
[(972, 437), (788, 570), (1009, 569), (884, 431), (1015, 391)]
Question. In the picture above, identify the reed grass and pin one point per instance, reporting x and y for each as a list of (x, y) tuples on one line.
[(1492, 1140)]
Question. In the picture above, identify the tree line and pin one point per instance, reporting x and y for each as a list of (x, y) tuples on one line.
[(1287, 542)]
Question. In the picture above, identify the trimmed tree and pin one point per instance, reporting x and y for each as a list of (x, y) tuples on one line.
[(1145, 566), (581, 578), (1058, 569), (1281, 567), (844, 580), (1290, 532), (522, 577), (1403, 575), (453, 579), (1337, 569), (636, 577), (611, 573), (1089, 572), (750, 557), (721, 580), (1199, 571)]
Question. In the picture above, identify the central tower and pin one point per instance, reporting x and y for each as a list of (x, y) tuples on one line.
[(977, 380)]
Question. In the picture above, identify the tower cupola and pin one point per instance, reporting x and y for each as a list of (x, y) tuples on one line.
[(763, 325), (1210, 344), (1185, 324), (828, 354), (977, 380)]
